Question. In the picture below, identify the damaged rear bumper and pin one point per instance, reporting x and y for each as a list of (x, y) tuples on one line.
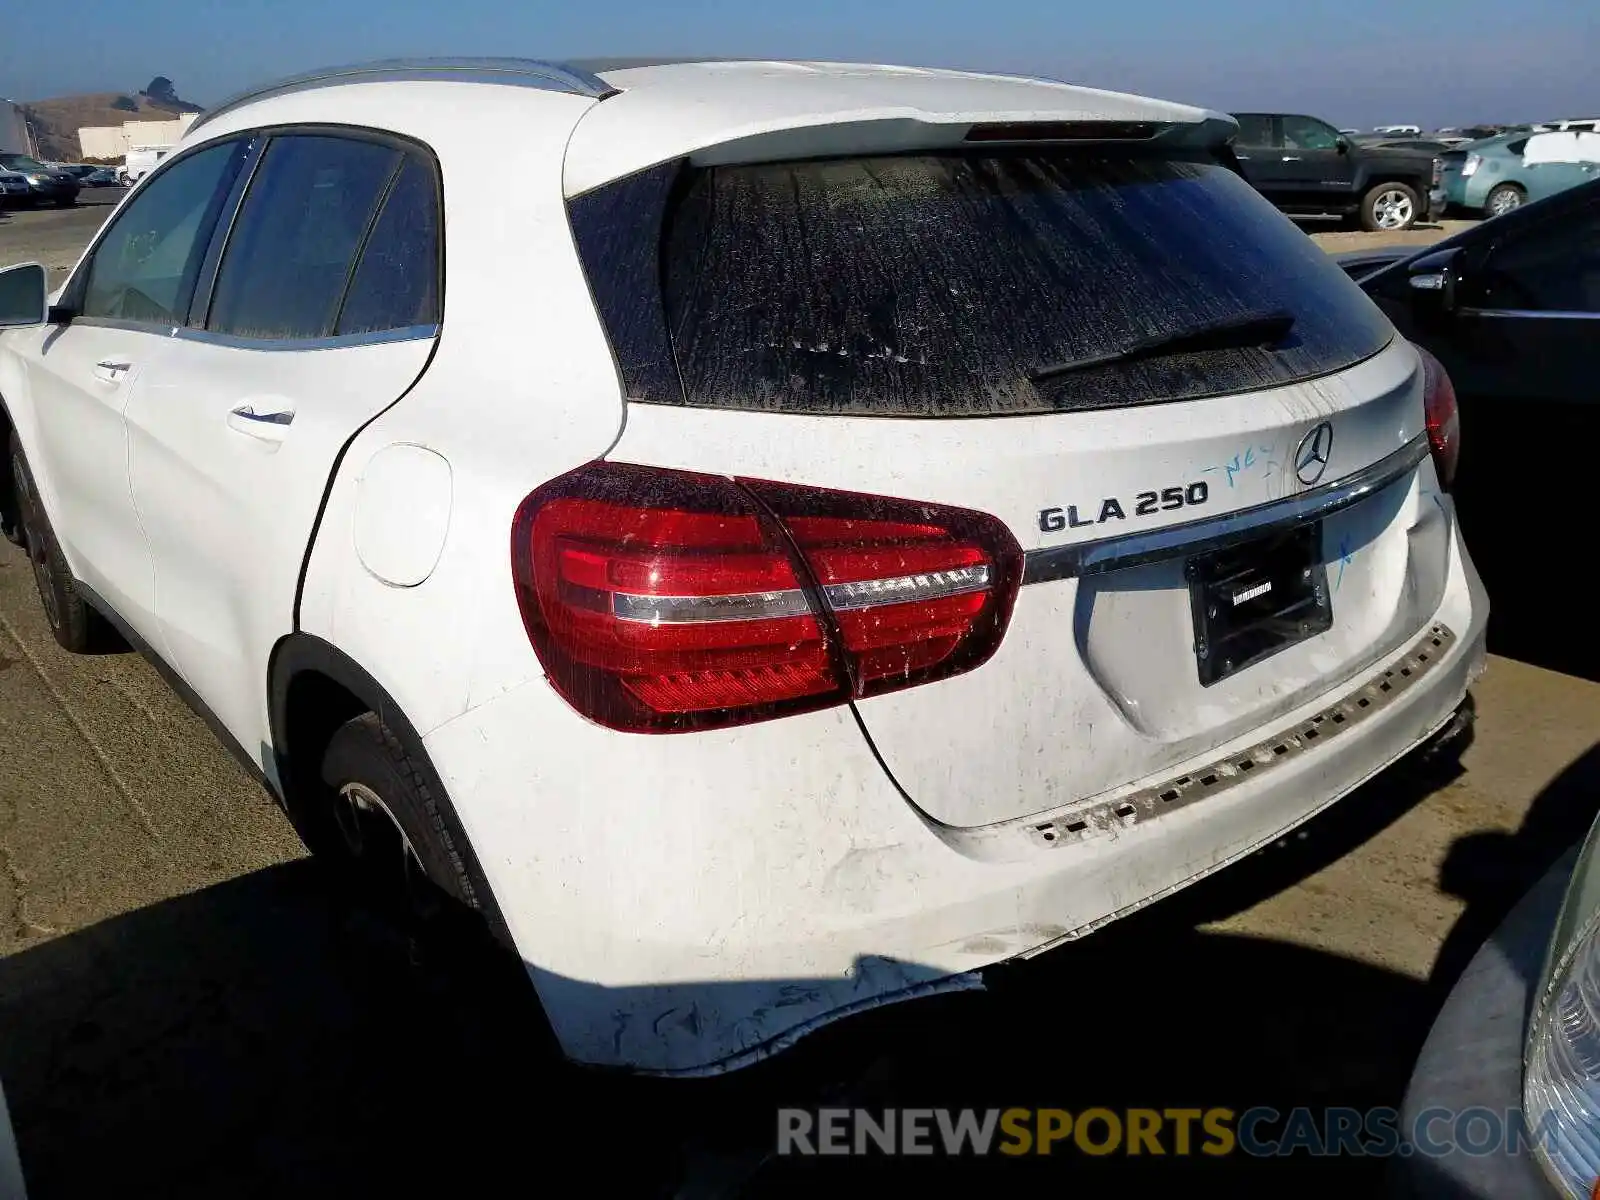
[(687, 906)]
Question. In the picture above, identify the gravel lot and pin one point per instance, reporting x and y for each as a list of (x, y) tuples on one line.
[(186, 1012)]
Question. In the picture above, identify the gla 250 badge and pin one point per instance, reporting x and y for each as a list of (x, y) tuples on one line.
[(1054, 520)]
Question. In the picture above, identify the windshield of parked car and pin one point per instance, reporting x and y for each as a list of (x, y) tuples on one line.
[(937, 284), (21, 162)]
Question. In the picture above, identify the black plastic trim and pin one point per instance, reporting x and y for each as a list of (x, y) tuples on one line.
[(304, 653)]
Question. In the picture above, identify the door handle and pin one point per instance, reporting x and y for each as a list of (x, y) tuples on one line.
[(1242, 157), (110, 371), (1291, 158), (263, 426)]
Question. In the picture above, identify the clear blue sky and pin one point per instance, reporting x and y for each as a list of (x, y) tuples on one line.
[(1355, 62)]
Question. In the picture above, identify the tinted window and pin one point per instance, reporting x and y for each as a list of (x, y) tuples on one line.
[(1254, 130), (1307, 133), (144, 269), (1551, 268), (936, 285), (396, 284), (939, 284), (297, 234)]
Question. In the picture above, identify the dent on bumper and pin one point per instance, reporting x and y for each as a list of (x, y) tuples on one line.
[(690, 907)]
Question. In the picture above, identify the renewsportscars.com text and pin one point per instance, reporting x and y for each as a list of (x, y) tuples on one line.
[(1150, 1132)]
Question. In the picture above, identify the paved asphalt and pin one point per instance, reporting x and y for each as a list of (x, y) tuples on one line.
[(187, 1010)]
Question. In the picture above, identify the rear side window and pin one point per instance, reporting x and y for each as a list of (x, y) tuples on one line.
[(297, 235), (957, 285), (396, 284)]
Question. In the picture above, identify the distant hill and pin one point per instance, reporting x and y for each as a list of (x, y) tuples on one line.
[(56, 122)]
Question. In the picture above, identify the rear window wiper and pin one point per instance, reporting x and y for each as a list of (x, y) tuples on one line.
[(1250, 329)]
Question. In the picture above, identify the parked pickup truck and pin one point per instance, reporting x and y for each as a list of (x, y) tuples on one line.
[(1307, 167)]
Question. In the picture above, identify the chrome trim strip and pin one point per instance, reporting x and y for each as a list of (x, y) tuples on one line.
[(1532, 314), (1214, 533), (155, 328), (517, 72), (1369, 698), (793, 602), (412, 333), (709, 610)]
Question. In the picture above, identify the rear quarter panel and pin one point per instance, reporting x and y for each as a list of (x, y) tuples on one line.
[(522, 387)]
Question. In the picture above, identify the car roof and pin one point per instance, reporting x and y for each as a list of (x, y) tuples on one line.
[(637, 113)]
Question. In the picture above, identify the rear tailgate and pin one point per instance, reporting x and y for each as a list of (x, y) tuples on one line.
[(1096, 684), (895, 359)]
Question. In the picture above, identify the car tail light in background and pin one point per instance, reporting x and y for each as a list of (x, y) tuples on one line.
[(1474, 161), (1438, 171), (1443, 418), (666, 601)]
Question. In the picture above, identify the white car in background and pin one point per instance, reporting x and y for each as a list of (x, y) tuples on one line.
[(790, 536), (138, 163)]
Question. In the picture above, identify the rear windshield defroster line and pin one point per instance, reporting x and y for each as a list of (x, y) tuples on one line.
[(958, 284)]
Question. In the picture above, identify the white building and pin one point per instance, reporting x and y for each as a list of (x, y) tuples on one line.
[(14, 136), (114, 141)]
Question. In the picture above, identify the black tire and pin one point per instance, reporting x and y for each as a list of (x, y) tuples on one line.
[(367, 765), (1503, 198), (436, 908), (1389, 208), (76, 626)]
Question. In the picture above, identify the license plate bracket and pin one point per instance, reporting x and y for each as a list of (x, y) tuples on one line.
[(1257, 599)]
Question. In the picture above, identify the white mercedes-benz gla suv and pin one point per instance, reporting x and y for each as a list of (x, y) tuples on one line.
[(772, 537)]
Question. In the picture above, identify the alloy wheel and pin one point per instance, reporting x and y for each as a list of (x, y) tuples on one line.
[(1392, 209)]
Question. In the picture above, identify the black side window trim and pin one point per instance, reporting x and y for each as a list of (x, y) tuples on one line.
[(206, 284), (199, 324)]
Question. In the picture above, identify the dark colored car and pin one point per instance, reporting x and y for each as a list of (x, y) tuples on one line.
[(101, 177), (1307, 167), (45, 184), (1511, 308)]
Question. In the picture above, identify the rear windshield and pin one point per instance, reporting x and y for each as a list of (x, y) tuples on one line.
[(943, 284)]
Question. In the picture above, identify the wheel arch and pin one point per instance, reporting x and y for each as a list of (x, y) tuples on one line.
[(313, 688)]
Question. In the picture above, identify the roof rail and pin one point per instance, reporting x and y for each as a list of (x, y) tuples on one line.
[(599, 65), (519, 72)]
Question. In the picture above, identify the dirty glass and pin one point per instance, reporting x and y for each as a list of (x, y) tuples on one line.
[(935, 285), (144, 268), (396, 284), (289, 256)]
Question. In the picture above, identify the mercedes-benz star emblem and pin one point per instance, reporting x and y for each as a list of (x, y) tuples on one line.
[(1311, 456)]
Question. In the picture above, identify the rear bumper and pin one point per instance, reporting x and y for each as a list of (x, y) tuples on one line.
[(690, 904)]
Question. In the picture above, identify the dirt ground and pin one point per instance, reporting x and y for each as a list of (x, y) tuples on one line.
[(187, 1011)]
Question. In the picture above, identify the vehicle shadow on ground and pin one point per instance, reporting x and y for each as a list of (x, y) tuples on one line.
[(1491, 870), (256, 1038)]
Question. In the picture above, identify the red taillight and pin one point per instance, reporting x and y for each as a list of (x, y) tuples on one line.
[(663, 600), (1442, 416)]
